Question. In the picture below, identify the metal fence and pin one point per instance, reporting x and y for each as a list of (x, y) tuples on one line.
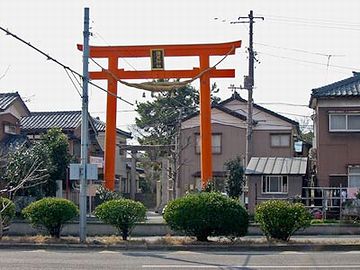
[(328, 200)]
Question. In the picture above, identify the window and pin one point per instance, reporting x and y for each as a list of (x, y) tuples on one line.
[(344, 122), (354, 176), (10, 129), (274, 184), (215, 141), (280, 140)]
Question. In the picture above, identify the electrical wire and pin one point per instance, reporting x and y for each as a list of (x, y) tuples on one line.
[(273, 103), (309, 62), (312, 25), (61, 64), (292, 49), (73, 83), (126, 61), (312, 20)]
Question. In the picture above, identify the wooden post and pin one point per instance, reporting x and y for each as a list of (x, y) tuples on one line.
[(164, 182), (133, 175)]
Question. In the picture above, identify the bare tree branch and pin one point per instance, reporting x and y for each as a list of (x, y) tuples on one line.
[(5, 72)]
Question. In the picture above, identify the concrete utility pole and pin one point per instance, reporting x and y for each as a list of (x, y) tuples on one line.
[(84, 128), (249, 84)]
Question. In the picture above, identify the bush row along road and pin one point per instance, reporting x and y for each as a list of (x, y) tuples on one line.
[(88, 259)]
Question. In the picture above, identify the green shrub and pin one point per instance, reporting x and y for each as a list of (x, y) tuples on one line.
[(122, 214), (207, 214), (7, 212), (281, 219), (50, 213)]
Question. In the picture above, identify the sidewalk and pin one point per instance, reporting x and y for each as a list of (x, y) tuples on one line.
[(154, 234)]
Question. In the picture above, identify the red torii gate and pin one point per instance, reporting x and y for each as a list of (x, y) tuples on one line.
[(203, 51)]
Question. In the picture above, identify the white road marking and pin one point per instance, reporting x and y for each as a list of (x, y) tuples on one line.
[(108, 252), (185, 252), (291, 252), (36, 250), (158, 266)]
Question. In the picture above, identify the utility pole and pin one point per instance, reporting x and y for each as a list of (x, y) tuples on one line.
[(84, 128), (249, 84)]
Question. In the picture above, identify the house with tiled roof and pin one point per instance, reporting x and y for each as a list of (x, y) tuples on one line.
[(336, 143), (12, 109), (273, 136), (37, 123)]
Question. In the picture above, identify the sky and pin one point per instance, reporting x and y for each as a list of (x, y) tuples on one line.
[(300, 45)]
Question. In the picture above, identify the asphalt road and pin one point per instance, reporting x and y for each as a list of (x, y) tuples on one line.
[(96, 259)]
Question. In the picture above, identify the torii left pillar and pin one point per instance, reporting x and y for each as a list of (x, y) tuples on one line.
[(203, 51)]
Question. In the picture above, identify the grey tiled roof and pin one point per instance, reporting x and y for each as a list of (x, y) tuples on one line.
[(349, 87), (46, 120), (66, 120), (276, 166), (100, 127), (6, 99)]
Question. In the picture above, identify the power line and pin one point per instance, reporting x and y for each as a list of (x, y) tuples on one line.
[(294, 114), (126, 61), (325, 21), (73, 83), (309, 62), (272, 103), (118, 111), (283, 103), (312, 24), (296, 50), (48, 57)]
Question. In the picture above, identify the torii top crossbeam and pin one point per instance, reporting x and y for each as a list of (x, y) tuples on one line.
[(203, 51)]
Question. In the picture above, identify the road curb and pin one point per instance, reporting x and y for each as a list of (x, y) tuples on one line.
[(197, 247)]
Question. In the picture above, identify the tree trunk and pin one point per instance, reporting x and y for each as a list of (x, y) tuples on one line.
[(1, 227), (125, 234), (202, 238), (55, 231)]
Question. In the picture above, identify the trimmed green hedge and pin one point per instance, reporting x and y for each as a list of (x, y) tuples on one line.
[(51, 213), (123, 214), (207, 214), (281, 219)]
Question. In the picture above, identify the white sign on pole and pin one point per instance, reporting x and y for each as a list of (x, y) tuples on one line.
[(99, 161), (75, 171)]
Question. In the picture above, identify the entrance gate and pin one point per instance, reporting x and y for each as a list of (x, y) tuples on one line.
[(157, 54)]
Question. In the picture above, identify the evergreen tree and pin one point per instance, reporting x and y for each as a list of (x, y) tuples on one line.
[(158, 119), (235, 179), (58, 145)]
